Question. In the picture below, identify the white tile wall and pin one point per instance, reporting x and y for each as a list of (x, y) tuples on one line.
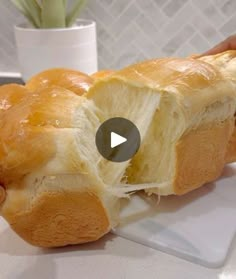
[(134, 30)]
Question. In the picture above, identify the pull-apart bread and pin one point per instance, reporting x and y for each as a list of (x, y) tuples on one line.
[(56, 189)]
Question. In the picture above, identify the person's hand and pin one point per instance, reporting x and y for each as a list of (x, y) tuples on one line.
[(228, 44)]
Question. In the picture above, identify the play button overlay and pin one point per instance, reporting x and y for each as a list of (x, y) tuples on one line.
[(118, 139)]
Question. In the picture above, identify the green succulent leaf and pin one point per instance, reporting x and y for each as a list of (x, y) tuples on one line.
[(53, 14), (73, 14), (34, 10), (49, 13), (30, 9), (65, 4)]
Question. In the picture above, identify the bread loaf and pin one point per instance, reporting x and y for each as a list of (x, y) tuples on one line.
[(56, 187)]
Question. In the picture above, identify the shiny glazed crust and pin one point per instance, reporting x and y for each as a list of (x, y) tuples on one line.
[(102, 74), (73, 80)]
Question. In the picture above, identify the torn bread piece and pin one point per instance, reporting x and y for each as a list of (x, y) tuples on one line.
[(50, 197), (59, 189), (186, 144)]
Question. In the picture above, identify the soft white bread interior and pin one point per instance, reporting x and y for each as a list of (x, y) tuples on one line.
[(115, 98), (56, 189)]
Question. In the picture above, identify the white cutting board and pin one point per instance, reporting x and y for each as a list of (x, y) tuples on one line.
[(199, 226)]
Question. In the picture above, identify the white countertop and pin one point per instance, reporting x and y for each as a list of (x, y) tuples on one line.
[(111, 257)]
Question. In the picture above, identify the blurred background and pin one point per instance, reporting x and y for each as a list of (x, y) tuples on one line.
[(134, 30)]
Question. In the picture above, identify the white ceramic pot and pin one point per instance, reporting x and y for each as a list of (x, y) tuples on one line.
[(41, 49)]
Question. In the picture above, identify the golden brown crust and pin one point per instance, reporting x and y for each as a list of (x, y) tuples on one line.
[(11, 94), (200, 156), (27, 130), (60, 218), (102, 74), (194, 84), (20, 155), (77, 82), (167, 73)]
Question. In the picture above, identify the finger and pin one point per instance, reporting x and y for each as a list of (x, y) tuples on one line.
[(232, 43), (223, 46)]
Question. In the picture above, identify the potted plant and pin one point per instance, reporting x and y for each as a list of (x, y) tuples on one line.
[(53, 37)]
